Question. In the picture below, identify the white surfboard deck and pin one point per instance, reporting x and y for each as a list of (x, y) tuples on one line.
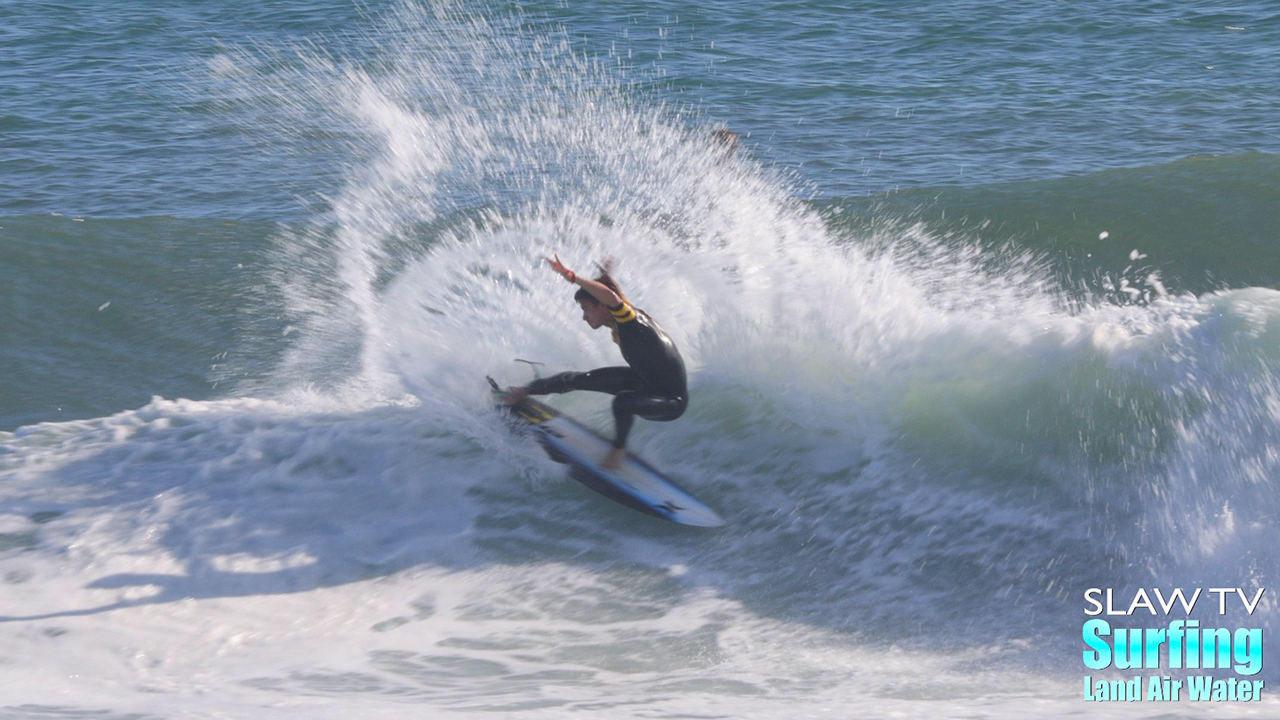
[(635, 483)]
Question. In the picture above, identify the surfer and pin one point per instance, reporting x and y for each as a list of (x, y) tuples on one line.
[(653, 385)]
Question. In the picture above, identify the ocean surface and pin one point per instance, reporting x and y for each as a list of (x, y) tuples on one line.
[(981, 314)]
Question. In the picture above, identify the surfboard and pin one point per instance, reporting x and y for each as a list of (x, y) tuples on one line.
[(635, 484)]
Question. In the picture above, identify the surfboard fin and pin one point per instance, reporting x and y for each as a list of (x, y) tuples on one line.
[(534, 365)]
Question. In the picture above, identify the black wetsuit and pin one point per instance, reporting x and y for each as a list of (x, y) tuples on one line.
[(654, 386)]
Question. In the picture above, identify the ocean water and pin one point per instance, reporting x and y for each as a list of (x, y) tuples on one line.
[(982, 314)]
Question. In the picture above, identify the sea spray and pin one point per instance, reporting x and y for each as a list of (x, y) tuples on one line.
[(926, 449), (901, 382)]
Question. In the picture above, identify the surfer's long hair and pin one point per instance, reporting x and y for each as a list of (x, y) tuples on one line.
[(604, 278)]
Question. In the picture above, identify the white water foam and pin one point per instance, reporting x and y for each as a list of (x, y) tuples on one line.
[(924, 459)]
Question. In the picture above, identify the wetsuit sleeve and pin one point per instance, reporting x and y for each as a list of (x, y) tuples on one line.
[(561, 383), (623, 313)]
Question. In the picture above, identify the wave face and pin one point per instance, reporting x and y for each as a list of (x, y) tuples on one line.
[(928, 440)]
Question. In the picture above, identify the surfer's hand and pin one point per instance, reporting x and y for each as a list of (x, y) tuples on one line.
[(559, 267), (514, 396)]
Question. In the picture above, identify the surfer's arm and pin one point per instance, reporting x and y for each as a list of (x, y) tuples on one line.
[(611, 380), (561, 383), (554, 385), (598, 290)]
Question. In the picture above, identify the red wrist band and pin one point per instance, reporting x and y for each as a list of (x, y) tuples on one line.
[(572, 277)]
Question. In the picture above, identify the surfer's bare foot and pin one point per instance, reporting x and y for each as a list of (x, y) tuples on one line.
[(514, 396), (613, 460)]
